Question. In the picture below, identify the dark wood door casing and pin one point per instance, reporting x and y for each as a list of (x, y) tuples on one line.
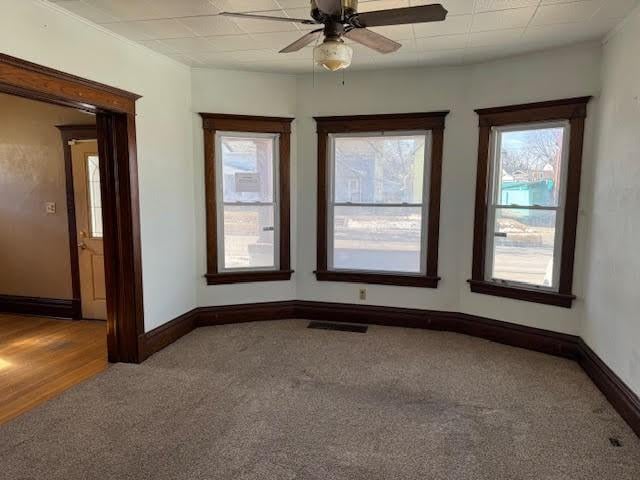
[(116, 134)]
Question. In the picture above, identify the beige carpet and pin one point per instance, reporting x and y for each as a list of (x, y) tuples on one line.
[(275, 400)]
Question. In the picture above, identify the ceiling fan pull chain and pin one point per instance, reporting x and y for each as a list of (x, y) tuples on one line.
[(313, 74)]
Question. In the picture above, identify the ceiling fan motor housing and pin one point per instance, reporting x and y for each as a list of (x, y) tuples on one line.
[(349, 8)]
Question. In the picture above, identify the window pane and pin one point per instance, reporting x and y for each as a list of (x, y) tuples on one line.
[(377, 169), (249, 236), (523, 246), (247, 169), (377, 238), (95, 200), (530, 165)]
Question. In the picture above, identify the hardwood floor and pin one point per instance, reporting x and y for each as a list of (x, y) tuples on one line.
[(42, 357)]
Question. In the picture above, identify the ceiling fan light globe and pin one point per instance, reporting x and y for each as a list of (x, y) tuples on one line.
[(333, 65), (333, 55)]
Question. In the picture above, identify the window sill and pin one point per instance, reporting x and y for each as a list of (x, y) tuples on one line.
[(378, 278), (528, 295), (246, 277)]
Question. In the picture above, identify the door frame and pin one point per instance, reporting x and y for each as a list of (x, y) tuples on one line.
[(116, 134), (68, 133)]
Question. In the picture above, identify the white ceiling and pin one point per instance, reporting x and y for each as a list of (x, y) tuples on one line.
[(191, 32)]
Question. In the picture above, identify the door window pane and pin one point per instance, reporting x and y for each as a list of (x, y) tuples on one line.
[(247, 168), (249, 232), (524, 246), (379, 169), (377, 238), (95, 199), (529, 167)]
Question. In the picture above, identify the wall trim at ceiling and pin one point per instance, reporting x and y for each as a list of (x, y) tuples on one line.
[(48, 307), (623, 399), (100, 28)]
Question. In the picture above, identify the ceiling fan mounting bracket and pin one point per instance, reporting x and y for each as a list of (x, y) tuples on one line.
[(333, 30), (347, 9)]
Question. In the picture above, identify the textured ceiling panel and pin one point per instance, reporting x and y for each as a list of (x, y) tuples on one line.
[(192, 32)]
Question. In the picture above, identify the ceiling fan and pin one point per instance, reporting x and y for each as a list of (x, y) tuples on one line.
[(341, 19)]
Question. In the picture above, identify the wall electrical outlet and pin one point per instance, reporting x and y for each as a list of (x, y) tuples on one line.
[(363, 294), (50, 208)]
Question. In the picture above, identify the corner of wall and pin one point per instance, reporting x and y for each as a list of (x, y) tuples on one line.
[(609, 324)]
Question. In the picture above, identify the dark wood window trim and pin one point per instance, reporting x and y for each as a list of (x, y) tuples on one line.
[(433, 121), (213, 122), (575, 111)]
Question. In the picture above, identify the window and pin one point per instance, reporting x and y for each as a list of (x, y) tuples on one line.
[(379, 198), (380, 228), (527, 200), (524, 234), (246, 187), (95, 199), (247, 190)]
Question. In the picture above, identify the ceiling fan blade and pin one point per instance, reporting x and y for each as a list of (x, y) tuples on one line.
[(302, 42), (373, 40), (306, 21), (399, 16), (330, 7)]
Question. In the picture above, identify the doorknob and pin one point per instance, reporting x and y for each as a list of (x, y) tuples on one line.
[(82, 246)]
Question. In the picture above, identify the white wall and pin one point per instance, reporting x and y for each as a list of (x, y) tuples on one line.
[(611, 323), (380, 92), (171, 158), (41, 33), (241, 93), (561, 73)]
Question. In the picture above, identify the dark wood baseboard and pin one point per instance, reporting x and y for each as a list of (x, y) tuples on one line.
[(626, 402), (502, 332), (252, 312), (164, 335), (43, 307), (617, 392)]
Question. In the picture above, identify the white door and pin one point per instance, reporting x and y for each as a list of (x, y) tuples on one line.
[(86, 186)]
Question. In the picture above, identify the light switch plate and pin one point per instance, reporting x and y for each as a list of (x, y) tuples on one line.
[(50, 208)]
